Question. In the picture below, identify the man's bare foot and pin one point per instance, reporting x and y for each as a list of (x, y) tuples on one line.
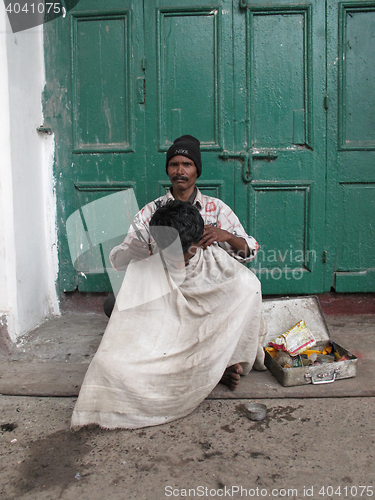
[(231, 376)]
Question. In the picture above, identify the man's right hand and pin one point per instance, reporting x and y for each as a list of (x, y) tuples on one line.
[(139, 250)]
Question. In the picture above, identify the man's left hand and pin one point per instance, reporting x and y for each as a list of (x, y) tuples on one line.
[(212, 234)]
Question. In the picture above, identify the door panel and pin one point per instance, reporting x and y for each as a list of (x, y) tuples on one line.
[(277, 84), (351, 144), (282, 196), (189, 88), (357, 57), (102, 77), (94, 62)]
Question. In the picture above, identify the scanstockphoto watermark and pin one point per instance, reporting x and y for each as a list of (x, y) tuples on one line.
[(277, 273), (288, 264), (27, 14), (272, 264), (230, 492), (323, 492), (286, 255)]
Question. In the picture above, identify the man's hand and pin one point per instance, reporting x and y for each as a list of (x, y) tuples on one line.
[(139, 250), (212, 234)]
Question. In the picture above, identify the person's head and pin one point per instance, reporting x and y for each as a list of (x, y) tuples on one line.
[(183, 163), (177, 219)]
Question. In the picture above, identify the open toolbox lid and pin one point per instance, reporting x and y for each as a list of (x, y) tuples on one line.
[(283, 313)]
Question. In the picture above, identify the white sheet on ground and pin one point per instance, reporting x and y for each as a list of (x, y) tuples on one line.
[(159, 359)]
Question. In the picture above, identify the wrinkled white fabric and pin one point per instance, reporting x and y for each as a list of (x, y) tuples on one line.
[(159, 359)]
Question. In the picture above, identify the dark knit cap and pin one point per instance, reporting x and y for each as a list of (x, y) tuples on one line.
[(188, 146)]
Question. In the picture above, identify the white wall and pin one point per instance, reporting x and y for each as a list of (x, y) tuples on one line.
[(28, 256)]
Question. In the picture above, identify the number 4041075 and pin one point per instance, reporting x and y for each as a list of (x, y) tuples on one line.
[(346, 491), (32, 8)]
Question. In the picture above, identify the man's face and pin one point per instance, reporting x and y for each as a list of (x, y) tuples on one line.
[(182, 172)]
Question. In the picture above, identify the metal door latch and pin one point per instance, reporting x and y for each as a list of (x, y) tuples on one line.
[(264, 156), (246, 172)]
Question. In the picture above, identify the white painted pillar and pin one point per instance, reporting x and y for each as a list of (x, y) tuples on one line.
[(28, 256)]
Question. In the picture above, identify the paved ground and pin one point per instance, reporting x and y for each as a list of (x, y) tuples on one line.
[(306, 448), (325, 447)]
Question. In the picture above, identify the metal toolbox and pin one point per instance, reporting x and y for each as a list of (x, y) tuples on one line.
[(281, 315)]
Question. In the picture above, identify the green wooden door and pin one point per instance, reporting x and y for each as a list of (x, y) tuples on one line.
[(125, 78), (249, 82), (280, 126), (94, 104), (351, 146), (189, 81)]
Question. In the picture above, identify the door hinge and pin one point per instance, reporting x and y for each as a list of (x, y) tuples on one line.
[(326, 102), (144, 62), (324, 256), (44, 130)]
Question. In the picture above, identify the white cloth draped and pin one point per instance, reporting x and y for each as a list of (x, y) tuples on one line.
[(169, 340)]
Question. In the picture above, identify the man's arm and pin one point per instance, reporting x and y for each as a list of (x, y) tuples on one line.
[(137, 250), (132, 247), (212, 234), (228, 232)]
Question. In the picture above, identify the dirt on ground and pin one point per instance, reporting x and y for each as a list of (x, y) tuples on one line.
[(305, 448)]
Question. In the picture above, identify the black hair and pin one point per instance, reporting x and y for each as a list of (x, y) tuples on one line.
[(178, 218)]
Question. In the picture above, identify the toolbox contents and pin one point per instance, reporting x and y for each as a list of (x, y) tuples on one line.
[(296, 340), (304, 353), (308, 357)]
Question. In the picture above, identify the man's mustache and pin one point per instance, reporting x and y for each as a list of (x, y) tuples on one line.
[(180, 177)]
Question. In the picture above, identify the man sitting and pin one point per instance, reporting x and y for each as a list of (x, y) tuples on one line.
[(221, 225), (183, 317)]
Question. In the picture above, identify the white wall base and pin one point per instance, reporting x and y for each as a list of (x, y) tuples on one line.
[(28, 238)]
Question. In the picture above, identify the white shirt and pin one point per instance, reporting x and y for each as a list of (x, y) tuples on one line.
[(213, 211)]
